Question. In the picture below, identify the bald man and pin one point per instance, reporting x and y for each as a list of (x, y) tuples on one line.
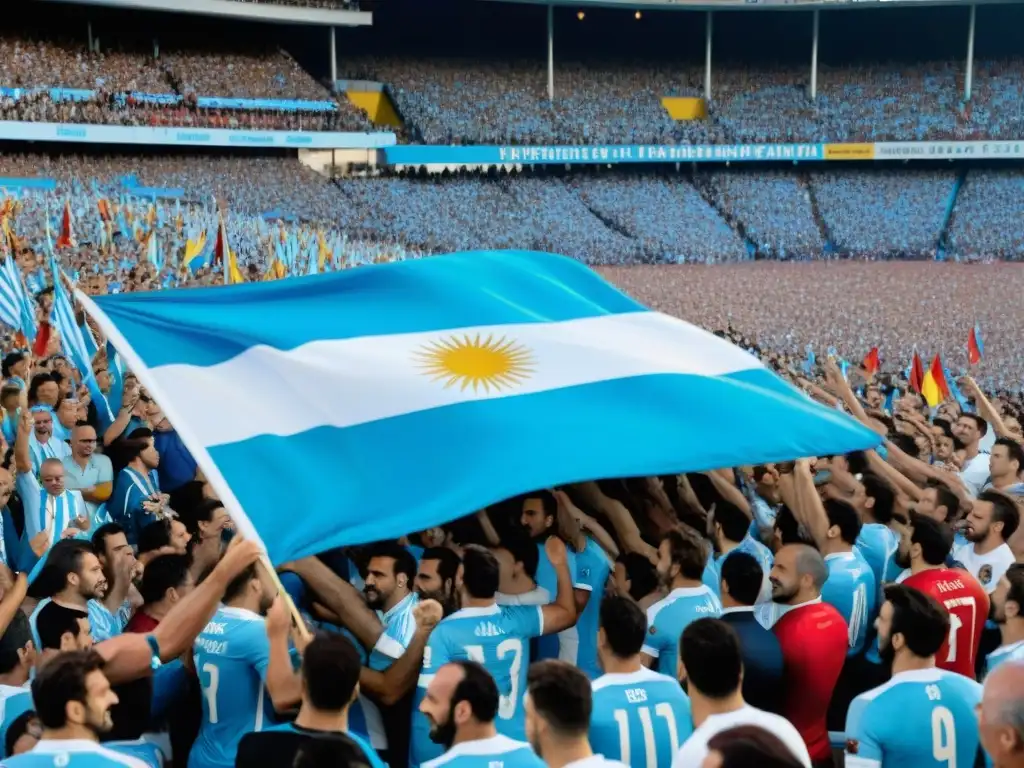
[(1001, 716), (813, 638)]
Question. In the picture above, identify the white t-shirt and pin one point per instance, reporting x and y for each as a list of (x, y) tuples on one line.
[(536, 596), (989, 568), (975, 474), (695, 749), (595, 761)]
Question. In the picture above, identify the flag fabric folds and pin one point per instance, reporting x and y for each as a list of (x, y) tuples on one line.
[(975, 346), (872, 362), (916, 373), (404, 395), (67, 237), (809, 361), (73, 341), (220, 245), (934, 388)]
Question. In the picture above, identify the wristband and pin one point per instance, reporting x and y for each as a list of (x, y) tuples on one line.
[(154, 646)]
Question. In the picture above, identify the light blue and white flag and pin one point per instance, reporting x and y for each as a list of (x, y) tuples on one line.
[(391, 398)]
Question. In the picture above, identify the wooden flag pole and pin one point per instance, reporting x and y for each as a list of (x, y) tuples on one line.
[(211, 472), (300, 624)]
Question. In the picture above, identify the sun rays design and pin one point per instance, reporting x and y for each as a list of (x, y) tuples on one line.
[(488, 364)]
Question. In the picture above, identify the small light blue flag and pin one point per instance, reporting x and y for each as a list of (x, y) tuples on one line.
[(452, 382)]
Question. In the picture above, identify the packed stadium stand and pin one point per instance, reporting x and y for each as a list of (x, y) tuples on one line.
[(483, 89)]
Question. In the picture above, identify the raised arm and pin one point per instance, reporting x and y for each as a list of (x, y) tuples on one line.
[(341, 598), (986, 410), (798, 492), (560, 614), (389, 686), (723, 481), (129, 656), (22, 455), (284, 684), (625, 527)]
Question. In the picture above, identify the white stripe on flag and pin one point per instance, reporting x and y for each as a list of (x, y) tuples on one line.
[(181, 425), (354, 381)]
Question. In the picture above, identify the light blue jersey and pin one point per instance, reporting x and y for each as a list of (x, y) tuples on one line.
[(640, 718), (399, 626), (73, 753), (14, 702), (851, 590), (146, 751), (564, 645), (103, 624), (1004, 653), (497, 752), (667, 619), (497, 637), (713, 569), (921, 718), (592, 569), (231, 657), (877, 544)]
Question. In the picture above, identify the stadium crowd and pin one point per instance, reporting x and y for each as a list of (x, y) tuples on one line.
[(62, 81), (448, 101), (740, 615), (461, 101), (608, 219)]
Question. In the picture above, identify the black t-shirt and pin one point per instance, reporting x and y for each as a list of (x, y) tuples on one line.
[(278, 748)]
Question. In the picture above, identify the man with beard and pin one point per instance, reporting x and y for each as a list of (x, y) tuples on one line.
[(729, 531), (969, 430), (74, 575), (73, 699), (495, 636), (814, 640), (681, 559), (539, 518), (390, 572), (999, 717), (1008, 612), (330, 674), (993, 519), (558, 707), (924, 716), (236, 655), (121, 569), (461, 704), (435, 578), (958, 592)]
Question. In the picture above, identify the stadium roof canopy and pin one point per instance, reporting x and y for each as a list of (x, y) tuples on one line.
[(249, 11), (756, 5)]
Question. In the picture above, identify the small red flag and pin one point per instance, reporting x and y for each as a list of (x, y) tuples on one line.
[(974, 346), (66, 239), (871, 361), (42, 342), (916, 373), (220, 246)]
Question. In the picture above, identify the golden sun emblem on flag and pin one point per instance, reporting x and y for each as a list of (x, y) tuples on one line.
[(476, 362)]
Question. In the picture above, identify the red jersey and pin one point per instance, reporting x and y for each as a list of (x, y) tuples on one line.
[(967, 602), (142, 623), (814, 640)]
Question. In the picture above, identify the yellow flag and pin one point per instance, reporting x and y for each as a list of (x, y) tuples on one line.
[(234, 273)]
